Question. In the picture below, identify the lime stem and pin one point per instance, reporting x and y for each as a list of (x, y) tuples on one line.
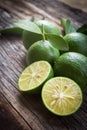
[(43, 33)]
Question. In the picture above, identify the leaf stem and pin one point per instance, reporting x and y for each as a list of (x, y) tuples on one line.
[(43, 33)]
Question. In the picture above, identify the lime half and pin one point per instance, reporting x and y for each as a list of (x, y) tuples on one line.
[(34, 76), (62, 96)]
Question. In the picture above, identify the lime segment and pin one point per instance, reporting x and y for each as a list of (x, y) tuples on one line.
[(62, 96), (34, 76)]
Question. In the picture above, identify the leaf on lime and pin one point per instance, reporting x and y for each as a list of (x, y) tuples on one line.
[(28, 25), (12, 31), (49, 27), (67, 26), (58, 42), (83, 29)]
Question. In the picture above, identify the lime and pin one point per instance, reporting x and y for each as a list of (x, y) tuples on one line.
[(34, 76), (42, 50), (77, 42), (49, 27), (29, 38), (62, 96), (74, 66)]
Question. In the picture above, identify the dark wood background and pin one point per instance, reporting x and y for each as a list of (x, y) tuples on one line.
[(20, 111)]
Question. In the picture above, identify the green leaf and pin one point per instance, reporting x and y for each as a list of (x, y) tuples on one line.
[(67, 26), (12, 31), (83, 29), (58, 42), (28, 25)]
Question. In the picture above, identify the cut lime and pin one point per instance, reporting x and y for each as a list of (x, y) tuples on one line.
[(62, 96), (34, 76)]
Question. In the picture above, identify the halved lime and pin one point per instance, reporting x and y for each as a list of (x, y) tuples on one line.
[(62, 96), (34, 76)]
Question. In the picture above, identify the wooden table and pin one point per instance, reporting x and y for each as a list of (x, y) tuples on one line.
[(20, 111)]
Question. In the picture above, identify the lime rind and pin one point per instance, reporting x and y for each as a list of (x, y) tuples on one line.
[(34, 76), (63, 99)]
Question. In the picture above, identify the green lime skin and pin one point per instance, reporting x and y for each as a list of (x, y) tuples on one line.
[(72, 65), (29, 38), (42, 50), (77, 42), (49, 27)]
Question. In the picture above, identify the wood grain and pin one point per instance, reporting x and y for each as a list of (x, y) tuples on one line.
[(20, 111)]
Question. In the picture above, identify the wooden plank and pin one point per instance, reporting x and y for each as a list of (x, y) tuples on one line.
[(28, 110), (53, 10), (45, 8), (8, 115)]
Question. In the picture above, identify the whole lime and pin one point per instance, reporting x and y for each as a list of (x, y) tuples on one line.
[(49, 27), (29, 38), (42, 50), (74, 66), (77, 42)]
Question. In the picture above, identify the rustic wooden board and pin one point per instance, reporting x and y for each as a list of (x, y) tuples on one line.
[(20, 111)]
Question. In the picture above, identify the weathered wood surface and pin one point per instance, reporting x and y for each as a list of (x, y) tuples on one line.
[(19, 111)]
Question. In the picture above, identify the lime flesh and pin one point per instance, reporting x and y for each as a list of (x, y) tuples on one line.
[(62, 96), (34, 76)]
